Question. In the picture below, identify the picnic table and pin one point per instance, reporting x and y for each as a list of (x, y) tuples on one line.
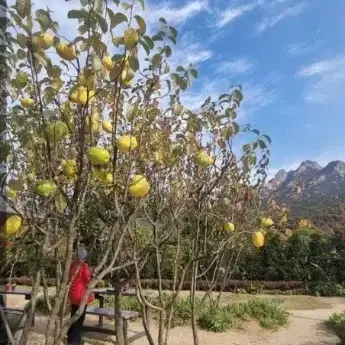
[(26, 294), (125, 315)]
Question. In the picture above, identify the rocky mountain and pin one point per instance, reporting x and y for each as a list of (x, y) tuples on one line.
[(314, 192), (310, 182)]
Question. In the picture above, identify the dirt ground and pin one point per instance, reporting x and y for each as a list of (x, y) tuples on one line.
[(307, 326)]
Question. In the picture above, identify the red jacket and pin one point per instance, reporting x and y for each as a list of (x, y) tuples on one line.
[(79, 285)]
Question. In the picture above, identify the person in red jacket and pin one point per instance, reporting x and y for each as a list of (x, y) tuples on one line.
[(80, 275)]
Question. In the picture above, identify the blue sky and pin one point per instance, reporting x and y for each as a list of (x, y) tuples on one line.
[(290, 58), (289, 55)]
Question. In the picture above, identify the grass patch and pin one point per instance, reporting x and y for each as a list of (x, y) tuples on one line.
[(267, 312), (337, 323), (216, 320)]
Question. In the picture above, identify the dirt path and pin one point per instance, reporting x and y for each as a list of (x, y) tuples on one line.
[(307, 327)]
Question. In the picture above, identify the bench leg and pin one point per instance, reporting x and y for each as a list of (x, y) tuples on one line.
[(101, 305), (125, 331)]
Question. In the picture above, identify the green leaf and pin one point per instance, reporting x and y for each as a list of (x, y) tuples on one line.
[(172, 39), (168, 51), (183, 84), (237, 96), (246, 147), (48, 97), (98, 5), (43, 18), (23, 7), (133, 63), (262, 144), (102, 23), (169, 84), (149, 42), (256, 131), (156, 59), (173, 31), (175, 79), (194, 73), (180, 69), (267, 138), (117, 41), (97, 63), (22, 40), (141, 2), (60, 203), (157, 38), (126, 6), (77, 14), (163, 21), (117, 2), (141, 24), (84, 2), (145, 46), (166, 68), (117, 19), (236, 127)]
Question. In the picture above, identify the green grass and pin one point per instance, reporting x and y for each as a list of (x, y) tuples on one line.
[(337, 323), (267, 312)]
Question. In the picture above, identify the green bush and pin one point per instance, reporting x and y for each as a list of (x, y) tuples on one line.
[(327, 289), (41, 306), (268, 312), (337, 322), (216, 320)]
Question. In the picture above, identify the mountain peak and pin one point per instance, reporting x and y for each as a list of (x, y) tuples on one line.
[(310, 164)]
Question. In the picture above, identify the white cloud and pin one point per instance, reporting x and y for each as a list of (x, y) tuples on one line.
[(328, 80), (176, 15), (232, 13), (322, 67), (235, 67), (256, 96), (270, 22), (301, 48)]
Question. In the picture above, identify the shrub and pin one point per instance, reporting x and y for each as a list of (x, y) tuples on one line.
[(268, 312), (327, 289), (337, 323), (216, 320), (41, 305)]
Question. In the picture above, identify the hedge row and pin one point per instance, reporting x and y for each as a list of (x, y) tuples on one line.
[(232, 285)]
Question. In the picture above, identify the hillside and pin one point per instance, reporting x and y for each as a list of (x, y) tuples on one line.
[(314, 192)]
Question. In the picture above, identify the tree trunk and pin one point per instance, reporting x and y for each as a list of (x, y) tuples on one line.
[(193, 289), (118, 320)]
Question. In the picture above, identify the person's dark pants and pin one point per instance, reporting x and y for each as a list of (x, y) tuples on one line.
[(74, 332)]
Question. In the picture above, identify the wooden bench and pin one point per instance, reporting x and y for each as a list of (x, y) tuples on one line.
[(14, 318), (27, 296), (110, 313)]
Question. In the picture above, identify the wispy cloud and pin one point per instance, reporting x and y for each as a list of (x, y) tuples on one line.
[(322, 67), (328, 80), (269, 22), (301, 48), (235, 67), (176, 15), (231, 14), (256, 95), (189, 50)]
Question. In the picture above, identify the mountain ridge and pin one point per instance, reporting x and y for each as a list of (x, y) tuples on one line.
[(313, 191)]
